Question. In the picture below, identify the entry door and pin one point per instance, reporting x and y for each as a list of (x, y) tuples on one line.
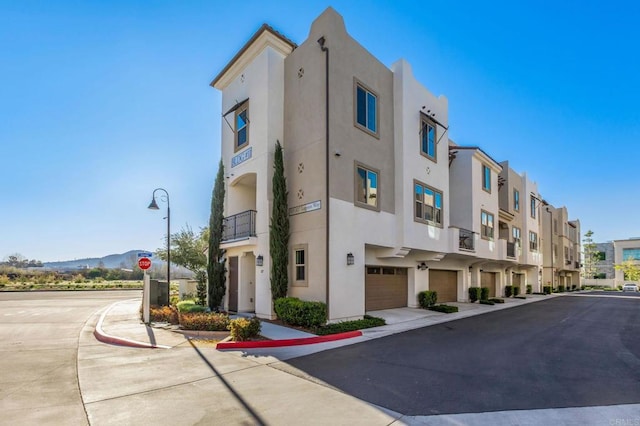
[(233, 283), (488, 279)]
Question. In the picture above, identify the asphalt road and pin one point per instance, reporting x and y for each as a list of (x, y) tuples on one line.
[(39, 334), (563, 352)]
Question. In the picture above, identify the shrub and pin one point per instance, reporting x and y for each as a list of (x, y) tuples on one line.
[(204, 321), (243, 328), (427, 298), (487, 302), (496, 300), (529, 288), (520, 297), (294, 311), (342, 327), (174, 300), (447, 309), (516, 291), (474, 294), (574, 287), (508, 290), (187, 306), (163, 314), (546, 289), (560, 289), (484, 293)]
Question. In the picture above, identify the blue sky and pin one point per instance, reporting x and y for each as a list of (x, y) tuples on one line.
[(102, 102)]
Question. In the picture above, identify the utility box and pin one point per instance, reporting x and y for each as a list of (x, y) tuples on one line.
[(158, 293)]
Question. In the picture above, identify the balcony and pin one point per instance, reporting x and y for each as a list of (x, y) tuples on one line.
[(466, 240), (240, 226), (511, 250)]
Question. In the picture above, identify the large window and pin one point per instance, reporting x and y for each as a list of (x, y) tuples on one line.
[(631, 254), (533, 241), (533, 207), (516, 200), (515, 232), (366, 109), (242, 127), (486, 221), (486, 178), (428, 204), (300, 265), (367, 187), (428, 138)]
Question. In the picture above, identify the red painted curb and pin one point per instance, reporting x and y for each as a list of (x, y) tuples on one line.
[(113, 340), (288, 342)]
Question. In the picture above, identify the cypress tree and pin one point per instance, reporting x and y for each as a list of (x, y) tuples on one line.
[(279, 227), (216, 263)]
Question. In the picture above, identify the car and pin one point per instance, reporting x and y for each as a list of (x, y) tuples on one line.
[(630, 287)]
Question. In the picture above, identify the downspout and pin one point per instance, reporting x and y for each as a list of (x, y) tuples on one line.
[(325, 49)]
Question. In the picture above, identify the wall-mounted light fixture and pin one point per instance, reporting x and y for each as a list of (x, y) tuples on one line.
[(470, 268), (259, 260), (422, 266), (350, 259)]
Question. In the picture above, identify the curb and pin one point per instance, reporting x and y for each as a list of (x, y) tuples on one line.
[(288, 342), (103, 337)]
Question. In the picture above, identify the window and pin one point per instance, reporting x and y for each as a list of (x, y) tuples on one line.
[(486, 220), (600, 256), (366, 109), (428, 204), (367, 187), (300, 265), (555, 226), (631, 254), (515, 232), (242, 127), (533, 241), (428, 139), (516, 200), (486, 178), (533, 207), (555, 252), (566, 254)]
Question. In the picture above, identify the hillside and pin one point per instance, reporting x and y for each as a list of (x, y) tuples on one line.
[(124, 260)]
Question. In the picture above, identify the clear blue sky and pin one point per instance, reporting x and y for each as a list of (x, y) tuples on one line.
[(101, 102)]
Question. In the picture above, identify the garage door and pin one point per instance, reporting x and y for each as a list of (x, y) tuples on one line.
[(488, 279), (385, 288), (517, 282), (445, 283)]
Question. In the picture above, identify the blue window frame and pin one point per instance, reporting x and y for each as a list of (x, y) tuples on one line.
[(366, 109)]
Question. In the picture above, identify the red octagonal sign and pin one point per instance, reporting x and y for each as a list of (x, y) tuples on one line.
[(144, 263)]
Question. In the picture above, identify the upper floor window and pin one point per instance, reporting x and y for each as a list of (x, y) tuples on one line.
[(367, 187), (486, 178), (300, 265), (428, 204), (242, 127), (533, 241), (555, 226), (515, 232), (516, 200), (533, 207), (428, 139), (486, 221), (366, 109)]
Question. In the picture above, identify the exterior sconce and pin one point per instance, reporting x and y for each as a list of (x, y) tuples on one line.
[(350, 259), (422, 266), (470, 268), (259, 260)]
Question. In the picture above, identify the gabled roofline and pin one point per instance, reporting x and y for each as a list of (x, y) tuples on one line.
[(264, 28), (476, 148)]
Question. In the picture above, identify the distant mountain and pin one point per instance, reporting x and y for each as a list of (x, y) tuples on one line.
[(112, 261)]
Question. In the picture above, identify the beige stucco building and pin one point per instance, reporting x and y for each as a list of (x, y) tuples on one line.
[(382, 203)]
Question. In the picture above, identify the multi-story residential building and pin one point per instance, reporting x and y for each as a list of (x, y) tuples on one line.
[(561, 247), (382, 204)]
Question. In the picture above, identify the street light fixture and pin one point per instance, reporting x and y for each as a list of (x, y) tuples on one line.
[(154, 206)]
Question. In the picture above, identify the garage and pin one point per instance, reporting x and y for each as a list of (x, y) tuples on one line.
[(488, 279), (385, 288), (445, 283)]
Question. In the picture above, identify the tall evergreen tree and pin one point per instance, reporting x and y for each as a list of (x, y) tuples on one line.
[(279, 235), (215, 266), (590, 256)]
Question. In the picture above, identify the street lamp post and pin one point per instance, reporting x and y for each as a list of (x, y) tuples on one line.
[(551, 246), (154, 206)]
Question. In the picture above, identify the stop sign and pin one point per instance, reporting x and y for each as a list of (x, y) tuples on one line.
[(144, 263)]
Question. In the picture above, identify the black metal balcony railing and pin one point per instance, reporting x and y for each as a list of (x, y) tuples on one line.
[(239, 226), (466, 240), (511, 249)]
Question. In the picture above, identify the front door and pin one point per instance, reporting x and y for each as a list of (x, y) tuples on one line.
[(233, 283)]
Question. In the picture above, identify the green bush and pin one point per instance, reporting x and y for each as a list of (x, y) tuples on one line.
[(342, 327), (447, 309), (487, 302), (204, 321), (187, 306), (546, 289), (496, 300), (529, 288), (574, 287), (294, 311), (243, 329), (508, 290), (427, 298), (516, 291), (474, 294), (560, 289), (484, 293)]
